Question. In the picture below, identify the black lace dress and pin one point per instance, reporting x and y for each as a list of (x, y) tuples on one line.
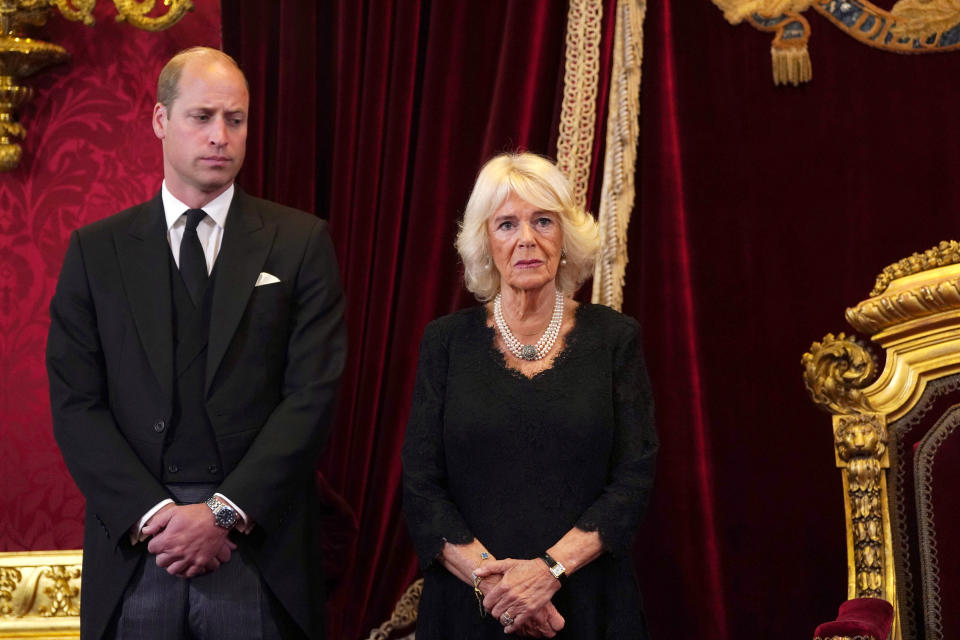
[(517, 462)]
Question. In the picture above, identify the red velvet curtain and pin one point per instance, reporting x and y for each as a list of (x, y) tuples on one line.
[(763, 213), (386, 112)]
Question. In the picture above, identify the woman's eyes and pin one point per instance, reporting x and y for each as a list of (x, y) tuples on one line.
[(542, 221)]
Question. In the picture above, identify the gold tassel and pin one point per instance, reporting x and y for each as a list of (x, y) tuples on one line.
[(791, 64)]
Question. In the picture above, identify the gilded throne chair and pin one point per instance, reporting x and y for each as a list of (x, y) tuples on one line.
[(897, 443)]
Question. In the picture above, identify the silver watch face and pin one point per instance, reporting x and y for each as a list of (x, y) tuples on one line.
[(225, 517)]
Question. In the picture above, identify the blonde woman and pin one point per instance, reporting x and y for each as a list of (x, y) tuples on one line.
[(529, 452)]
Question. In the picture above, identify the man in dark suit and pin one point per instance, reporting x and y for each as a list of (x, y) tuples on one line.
[(195, 345)]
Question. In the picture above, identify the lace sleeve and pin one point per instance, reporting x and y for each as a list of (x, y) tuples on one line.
[(431, 515), (616, 513)]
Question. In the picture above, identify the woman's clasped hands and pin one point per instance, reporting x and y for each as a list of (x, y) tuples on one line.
[(520, 596)]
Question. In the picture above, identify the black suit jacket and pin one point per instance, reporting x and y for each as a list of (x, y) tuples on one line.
[(274, 356)]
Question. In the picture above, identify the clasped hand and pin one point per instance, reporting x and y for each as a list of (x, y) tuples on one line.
[(522, 589), (186, 541)]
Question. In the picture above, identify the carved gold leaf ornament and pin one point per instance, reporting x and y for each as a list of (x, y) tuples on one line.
[(919, 18), (40, 594), (945, 253), (738, 10), (21, 57), (63, 593), (909, 289), (835, 370), (911, 26)]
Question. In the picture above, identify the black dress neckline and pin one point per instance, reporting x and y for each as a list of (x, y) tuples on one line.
[(500, 359)]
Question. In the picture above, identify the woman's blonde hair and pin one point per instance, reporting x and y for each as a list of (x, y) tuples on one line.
[(538, 182)]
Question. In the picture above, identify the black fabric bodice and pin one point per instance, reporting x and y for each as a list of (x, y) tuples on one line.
[(517, 462)]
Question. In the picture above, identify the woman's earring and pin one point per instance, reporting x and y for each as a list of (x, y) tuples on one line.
[(563, 258), (486, 265)]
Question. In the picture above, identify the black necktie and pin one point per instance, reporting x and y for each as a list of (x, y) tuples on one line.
[(193, 265)]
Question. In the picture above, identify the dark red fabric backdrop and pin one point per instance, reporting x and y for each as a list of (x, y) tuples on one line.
[(762, 213), (418, 95)]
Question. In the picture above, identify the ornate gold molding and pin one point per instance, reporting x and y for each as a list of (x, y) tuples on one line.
[(40, 594), (21, 57), (909, 298), (835, 372), (946, 252), (861, 448)]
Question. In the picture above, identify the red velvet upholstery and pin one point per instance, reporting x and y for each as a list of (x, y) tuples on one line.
[(871, 617)]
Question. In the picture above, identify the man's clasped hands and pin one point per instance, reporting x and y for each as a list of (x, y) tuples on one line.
[(186, 541)]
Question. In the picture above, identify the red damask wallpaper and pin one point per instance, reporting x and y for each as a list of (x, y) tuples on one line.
[(89, 152)]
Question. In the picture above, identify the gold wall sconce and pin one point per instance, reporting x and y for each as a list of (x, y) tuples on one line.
[(22, 56)]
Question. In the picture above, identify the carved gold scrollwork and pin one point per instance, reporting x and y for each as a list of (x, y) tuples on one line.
[(835, 371), (136, 12), (77, 10), (861, 442)]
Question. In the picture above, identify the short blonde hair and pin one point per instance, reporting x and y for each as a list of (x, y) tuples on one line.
[(540, 183)]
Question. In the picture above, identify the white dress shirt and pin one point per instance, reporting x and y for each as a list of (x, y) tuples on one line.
[(210, 232)]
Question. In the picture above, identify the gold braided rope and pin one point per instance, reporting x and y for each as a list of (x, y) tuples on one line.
[(579, 108), (620, 158), (404, 614)]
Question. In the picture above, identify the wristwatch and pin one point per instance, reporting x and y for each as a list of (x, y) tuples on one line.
[(224, 515), (558, 570)]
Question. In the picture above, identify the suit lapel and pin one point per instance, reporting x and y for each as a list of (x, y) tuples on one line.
[(246, 244), (143, 254)]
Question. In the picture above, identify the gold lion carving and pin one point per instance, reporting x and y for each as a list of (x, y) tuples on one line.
[(861, 442)]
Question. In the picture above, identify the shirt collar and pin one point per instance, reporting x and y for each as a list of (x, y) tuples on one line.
[(216, 208)]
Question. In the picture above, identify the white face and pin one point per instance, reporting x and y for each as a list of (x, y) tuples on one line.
[(525, 244), (204, 132)]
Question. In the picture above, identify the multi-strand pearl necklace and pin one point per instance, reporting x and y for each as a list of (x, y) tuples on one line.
[(544, 344)]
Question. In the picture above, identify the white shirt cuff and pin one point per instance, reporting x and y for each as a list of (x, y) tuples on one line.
[(136, 535), (244, 524)]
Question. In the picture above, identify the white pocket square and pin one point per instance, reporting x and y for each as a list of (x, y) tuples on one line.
[(266, 278)]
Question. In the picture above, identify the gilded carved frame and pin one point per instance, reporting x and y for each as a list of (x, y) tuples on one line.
[(914, 316), (40, 594)]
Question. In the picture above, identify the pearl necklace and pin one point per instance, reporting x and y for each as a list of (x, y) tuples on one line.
[(544, 344)]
